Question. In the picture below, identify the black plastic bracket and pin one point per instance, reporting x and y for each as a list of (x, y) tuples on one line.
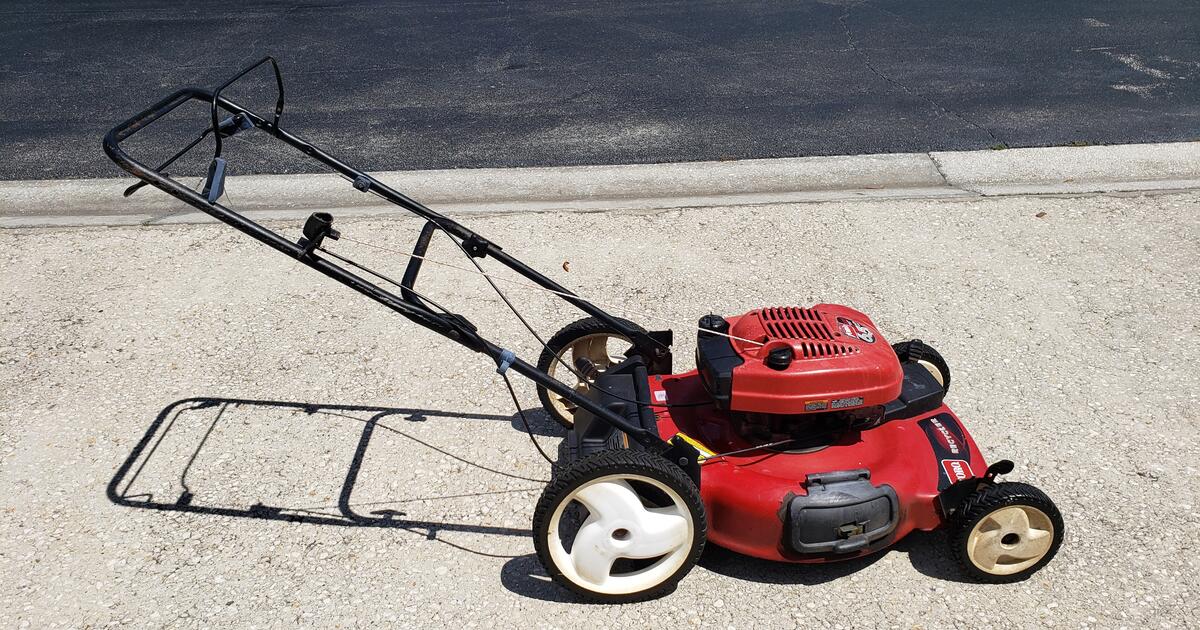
[(234, 124), (477, 246), (685, 456), (362, 183), (317, 228), (1002, 467)]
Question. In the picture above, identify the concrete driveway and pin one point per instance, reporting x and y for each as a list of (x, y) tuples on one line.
[(1070, 323)]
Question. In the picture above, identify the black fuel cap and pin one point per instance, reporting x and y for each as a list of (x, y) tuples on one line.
[(714, 322), (780, 358)]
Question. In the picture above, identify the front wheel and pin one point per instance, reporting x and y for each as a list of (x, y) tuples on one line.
[(619, 526), (1006, 532)]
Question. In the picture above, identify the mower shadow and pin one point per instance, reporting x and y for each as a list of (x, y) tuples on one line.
[(525, 576), (929, 553), (734, 565), (540, 423), (344, 514), (926, 552)]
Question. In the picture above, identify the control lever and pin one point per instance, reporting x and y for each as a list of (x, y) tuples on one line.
[(229, 127), (234, 124), (138, 186)]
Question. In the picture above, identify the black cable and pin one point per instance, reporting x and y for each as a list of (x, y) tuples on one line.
[(385, 278), (759, 447), (545, 345), (528, 327), (524, 420)]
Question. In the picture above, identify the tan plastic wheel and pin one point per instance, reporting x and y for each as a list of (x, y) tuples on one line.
[(603, 349), (1010, 540), (933, 369)]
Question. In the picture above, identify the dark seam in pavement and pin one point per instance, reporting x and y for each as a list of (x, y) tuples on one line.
[(843, 19), (937, 166)]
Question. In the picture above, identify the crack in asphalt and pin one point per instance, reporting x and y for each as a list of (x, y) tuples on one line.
[(843, 19)]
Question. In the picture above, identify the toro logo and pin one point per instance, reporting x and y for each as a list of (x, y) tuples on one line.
[(957, 469), (945, 437), (949, 444)]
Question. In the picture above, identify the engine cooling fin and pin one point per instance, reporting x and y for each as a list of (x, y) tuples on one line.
[(806, 326)]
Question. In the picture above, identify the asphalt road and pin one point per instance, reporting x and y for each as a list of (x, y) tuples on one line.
[(416, 85), (388, 484)]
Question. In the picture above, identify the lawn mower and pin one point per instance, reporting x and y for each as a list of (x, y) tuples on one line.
[(799, 435)]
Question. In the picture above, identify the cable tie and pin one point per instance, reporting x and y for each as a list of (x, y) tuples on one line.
[(506, 359)]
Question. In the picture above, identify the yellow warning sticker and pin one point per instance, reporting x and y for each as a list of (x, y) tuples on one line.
[(705, 452)]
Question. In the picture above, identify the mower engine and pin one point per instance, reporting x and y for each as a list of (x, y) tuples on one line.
[(802, 374)]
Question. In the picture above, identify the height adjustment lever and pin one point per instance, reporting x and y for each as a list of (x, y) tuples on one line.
[(214, 183), (318, 226)]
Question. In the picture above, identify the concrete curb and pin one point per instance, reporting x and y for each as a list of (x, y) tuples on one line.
[(1056, 170), (1127, 167)]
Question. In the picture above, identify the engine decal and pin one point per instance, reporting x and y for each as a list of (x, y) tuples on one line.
[(855, 330), (949, 448), (842, 403)]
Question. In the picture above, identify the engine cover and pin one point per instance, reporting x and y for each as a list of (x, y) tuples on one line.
[(797, 360)]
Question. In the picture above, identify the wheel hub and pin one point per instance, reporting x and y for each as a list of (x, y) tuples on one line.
[(619, 525), (1010, 539), (594, 348)]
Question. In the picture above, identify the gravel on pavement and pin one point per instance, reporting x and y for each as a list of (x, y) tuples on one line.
[(311, 458)]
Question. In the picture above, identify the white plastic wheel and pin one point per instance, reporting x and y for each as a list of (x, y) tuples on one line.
[(619, 525)]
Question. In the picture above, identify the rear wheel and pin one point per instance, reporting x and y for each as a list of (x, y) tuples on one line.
[(587, 338), (619, 526), (1006, 532)]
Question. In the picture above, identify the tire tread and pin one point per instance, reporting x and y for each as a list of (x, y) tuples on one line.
[(987, 501)]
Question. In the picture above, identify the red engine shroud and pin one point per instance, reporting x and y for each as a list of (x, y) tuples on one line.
[(840, 361), (744, 495)]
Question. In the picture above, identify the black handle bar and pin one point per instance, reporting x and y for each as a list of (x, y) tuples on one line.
[(278, 101), (653, 348)]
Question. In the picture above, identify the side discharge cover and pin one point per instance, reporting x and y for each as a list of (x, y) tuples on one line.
[(842, 513)]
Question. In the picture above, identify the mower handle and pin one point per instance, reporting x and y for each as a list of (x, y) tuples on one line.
[(454, 327), (216, 127)]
